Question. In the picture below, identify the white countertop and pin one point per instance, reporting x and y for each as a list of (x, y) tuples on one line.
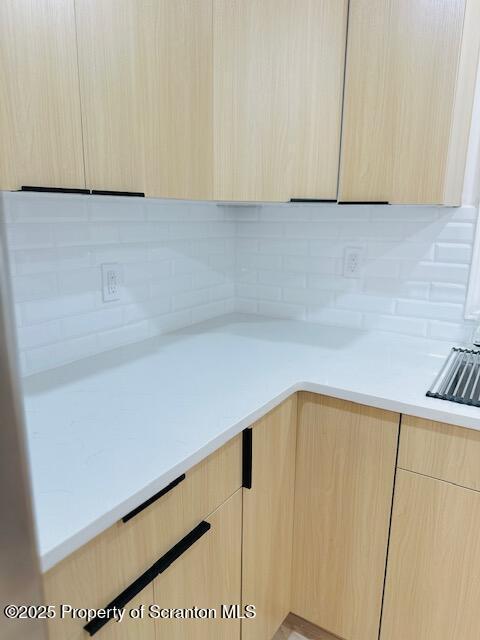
[(108, 432)]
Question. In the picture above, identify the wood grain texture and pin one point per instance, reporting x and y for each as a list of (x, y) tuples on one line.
[(345, 469), (365, 170), (399, 119), (206, 576), (177, 79), (268, 522), (441, 451), (146, 77), (278, 85), (462, 108), (111, 80), (99, 571), (40, 121), (433, 577)]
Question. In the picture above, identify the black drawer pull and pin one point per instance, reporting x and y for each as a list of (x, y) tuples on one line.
[(123, 194), (247, 452), (26, 188), (155, 497), (310, 200), (150, 574), (380, 202)]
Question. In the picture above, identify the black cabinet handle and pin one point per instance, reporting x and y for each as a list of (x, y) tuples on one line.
[(310, 200), (150, 574), (123, 194), (247, 452), (155, 497), (380, 202), (34, 189)]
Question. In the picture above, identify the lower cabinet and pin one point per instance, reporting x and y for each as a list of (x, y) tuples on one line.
[(346, 456), (433, 575), (268, 522), (205, 577)]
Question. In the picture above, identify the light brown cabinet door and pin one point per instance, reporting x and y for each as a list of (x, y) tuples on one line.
[(40, 121), (268, 522), (343, 495), (278, 87), (433, 576), (99, 571), (206, 576), (146, 79), (409, 86)]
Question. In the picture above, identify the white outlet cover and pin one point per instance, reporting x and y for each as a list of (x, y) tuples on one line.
[(352, 262), (111, 281)]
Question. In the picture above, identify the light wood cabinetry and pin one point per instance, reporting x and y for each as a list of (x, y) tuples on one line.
[(268, 522), (433, 576), (146, 80), (206, 576), (278, 86), (40, 119), (111, 82), (441, 451), (346, 455), (178, 74), (98, 572), (409, 86)]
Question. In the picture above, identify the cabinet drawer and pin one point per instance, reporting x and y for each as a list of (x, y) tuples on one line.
[(441, 451), (95, 574)]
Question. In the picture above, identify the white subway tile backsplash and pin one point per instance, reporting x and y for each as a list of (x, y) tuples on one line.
[(124, 335), (362, 302), (59, 353), (413, 276), (33, 235), (185, 262), (38, 335), (434, 310), (309, 297), (177, 261), (35, 287), (460, 253), (86, 323), (435, 272), (445, 292), (263, 292), (37, 311)]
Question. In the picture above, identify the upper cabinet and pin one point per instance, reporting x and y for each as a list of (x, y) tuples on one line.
[(110, 67), (409, 85), (40, 119), (146, 84), (240, 100), (278, 87)]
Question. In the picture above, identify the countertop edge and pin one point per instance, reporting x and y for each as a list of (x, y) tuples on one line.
[(55, 555)]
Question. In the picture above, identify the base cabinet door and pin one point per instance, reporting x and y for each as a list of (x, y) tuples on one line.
[(205, 577), (433, 574), (267, 522), (345, 469)]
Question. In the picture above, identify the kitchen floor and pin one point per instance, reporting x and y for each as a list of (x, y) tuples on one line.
[(294, 628)]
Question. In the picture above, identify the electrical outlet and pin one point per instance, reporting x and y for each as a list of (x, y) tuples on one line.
[(352, 262), (111, 282)]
